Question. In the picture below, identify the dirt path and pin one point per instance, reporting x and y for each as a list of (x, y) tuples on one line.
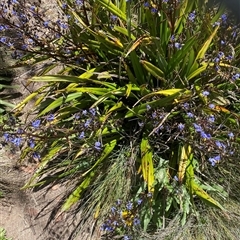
[(28, 215)]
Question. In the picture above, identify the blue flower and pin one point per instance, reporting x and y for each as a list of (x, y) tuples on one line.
[(92, 111), (7, 137), (220, 55), (36, 123), (31, 143), (87, 123), (231, 135), (205, 135), (82, 135), (113, 17), (136, 221), (36, 155), (84, 112), (211, 119), (146, 5), (139, 201), (181, 126), (214, 160), (119, 202), (148, 107), (205, 93), (113, 209), (197, 127), (79, 2), (97, 145), (192, 16), (212, 106), (126, 237), (186, 105), (154, 115), (216, 24), (50, 117), (106, 227), (16, 141), (224, 17), (154, 10), (236, 76), (129, 206), (190, 115), (45, 24), (178, 45)]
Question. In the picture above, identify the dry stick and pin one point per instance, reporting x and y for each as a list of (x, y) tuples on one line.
[(161, 123)]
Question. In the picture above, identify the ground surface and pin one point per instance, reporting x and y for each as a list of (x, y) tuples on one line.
[(27, 215)]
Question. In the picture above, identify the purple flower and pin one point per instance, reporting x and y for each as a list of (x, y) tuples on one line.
[(82, 135), (235, 76), (97, 145), (211, 119), (186, 105), (181, 126), (192, 16), (36, 123), (136, 221), (6, 137), (214, 160), (31, 143), (205, 135), (129, 206), (84, 112), (113, 17), (16, 141), (216, 24), (79, 2), (224, 17), (220, 55), (212, 106), (139, 201), (205, 93), (87, 123), (178, 45), (36, 155), (154, 10), (146, 4), (92, 111), (190, 115), (45, 24), (231, 135), (113, 209), (50, 117), (197, 127)]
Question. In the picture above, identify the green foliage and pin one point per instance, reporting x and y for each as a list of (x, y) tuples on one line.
[(3, 234), (143, 100)]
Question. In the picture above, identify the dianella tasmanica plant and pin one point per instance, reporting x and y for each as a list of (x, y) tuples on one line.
[(143, 112)]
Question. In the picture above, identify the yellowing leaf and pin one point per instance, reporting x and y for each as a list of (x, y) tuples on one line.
[(183, 161), (196, 189), (152, 69), (147, 164)]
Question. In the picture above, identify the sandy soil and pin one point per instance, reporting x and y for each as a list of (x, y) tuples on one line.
[(28, 215)]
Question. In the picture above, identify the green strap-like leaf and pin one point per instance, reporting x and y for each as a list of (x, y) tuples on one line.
[(76, 195), (107, 150), (147, 163)]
